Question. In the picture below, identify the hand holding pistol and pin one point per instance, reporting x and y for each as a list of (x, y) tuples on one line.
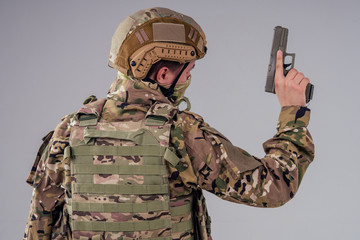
[(283, 78)]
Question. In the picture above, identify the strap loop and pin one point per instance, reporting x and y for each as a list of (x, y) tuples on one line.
[(87, 120), (171, 157), (67, 152), (153, 120), (187, 101)]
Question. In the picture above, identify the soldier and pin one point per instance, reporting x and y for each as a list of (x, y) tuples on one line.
[(132, 166)]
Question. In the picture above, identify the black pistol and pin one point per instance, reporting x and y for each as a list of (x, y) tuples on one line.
[(279, 43)]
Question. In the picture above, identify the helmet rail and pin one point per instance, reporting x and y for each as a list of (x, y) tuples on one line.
[(142, 60)]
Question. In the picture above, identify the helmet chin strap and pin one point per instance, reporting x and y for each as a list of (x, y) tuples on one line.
[(168, 92)]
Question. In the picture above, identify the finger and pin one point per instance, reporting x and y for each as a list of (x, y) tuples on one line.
[(291, 74), (304, 82), (279, 64), (298, 78)]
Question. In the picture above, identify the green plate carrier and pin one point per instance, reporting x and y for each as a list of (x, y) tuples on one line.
[(119, 178)]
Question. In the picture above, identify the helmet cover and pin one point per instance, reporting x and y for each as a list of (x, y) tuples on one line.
[(155, 34)]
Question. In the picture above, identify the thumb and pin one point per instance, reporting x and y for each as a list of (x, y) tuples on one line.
[(279, 72)]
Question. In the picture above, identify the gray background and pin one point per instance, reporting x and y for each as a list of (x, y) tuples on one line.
[(53, 54)]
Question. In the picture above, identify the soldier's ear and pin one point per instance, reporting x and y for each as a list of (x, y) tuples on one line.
[(163, 75)]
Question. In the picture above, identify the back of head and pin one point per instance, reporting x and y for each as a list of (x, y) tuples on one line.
[(155, 34)]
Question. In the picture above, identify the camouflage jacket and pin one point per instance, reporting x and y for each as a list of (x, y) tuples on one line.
[(208, 159)]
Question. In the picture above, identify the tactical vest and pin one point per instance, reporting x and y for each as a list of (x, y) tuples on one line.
[(119, 179)]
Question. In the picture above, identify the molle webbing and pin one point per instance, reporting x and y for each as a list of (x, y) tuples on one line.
[(154, 205), (124, 207), (119, 169), (85, 170), (99, 237), (83, 188), (131, 226), (119, 151), (124, 226), (135, 174)]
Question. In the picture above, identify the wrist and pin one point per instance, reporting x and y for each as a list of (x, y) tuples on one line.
[(292, 117)]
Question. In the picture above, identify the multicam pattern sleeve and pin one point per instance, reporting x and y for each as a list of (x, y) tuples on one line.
[(234, 175), (48, 178)]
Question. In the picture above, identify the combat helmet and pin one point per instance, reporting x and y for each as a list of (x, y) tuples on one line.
[(155, 34)]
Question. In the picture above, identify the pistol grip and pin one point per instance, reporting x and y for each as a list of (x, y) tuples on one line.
[(309, 92)]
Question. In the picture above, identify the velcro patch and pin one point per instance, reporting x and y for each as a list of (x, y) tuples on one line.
[(169, 32)]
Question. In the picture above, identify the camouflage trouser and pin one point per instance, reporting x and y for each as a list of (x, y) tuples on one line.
[(201, 217)]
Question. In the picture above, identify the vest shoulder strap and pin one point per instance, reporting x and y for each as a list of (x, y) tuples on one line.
[(90, 113), (160, 113)]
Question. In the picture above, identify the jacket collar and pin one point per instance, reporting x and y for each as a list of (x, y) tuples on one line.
[(130, 99)]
